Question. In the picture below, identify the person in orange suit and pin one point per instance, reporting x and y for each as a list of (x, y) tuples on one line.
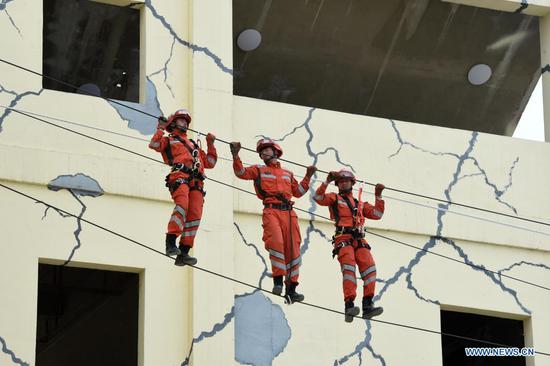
[(185, 181), (349, 241), (276, 186)]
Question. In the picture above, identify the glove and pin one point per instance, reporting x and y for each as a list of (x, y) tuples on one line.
[(162, 122), (210, 138), (332, 176), (235, 147), (378, 189), (310, 171)]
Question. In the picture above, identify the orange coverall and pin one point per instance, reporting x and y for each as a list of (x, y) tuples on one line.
[(177, 148), (276, 186), (351, 250)]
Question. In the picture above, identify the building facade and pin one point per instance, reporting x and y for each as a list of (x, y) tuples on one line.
[(184, 58)]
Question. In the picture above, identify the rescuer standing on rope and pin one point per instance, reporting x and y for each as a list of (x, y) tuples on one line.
[(349, 241), (185, 181), (276, 186)]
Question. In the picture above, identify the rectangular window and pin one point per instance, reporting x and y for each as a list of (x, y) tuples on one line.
[(93, 46), (86, 317), (488, 328)]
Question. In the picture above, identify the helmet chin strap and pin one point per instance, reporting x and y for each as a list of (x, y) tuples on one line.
[(271, 157), (181, 129), (345, 190)]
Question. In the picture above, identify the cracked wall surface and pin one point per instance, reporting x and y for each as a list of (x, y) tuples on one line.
[(466, 166), (187, 63), (78, 185), (145, 124), (6, 350), (261, 330)]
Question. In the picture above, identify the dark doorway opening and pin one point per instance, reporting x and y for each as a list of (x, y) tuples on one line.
[(86, 317), (488, 328)]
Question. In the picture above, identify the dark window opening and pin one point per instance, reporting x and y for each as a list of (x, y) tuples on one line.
[(86, 317), (423, 61), (488, 328), (92, 46)]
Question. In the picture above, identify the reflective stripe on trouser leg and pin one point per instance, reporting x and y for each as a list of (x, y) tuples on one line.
[(367, 270), (293, 269), (176, 224), (346, 257), (291, 240), (273, 241), (194, 214), (368, 285), (277, 262)]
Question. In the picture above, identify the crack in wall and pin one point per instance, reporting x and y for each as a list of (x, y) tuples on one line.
[(509, 268), (77, 185), (498, 192), (311, 228), (3, 7), (257, 251), (60, 213), (403, 143), (14, 101), (469, 176), (428, 245), (164, 70), (407, 270), (195, 48), (491, 275), (218, 327), (12, 355), (78, 230), (359, 349), (410, 286), (4, 90)]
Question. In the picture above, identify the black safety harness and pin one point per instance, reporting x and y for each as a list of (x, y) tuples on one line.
[(194, 174), (286, 205), (356, 233)]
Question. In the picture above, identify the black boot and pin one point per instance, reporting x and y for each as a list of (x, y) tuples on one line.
[(277, 285), (369, 310), (351, 311), (171, 248), (184, 258), (291, 294)]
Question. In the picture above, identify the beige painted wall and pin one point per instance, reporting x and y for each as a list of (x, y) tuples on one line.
[(135, 203)]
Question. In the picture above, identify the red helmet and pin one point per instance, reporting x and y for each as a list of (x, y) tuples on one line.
[(267, 142), (180, 113), (345, 174)]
